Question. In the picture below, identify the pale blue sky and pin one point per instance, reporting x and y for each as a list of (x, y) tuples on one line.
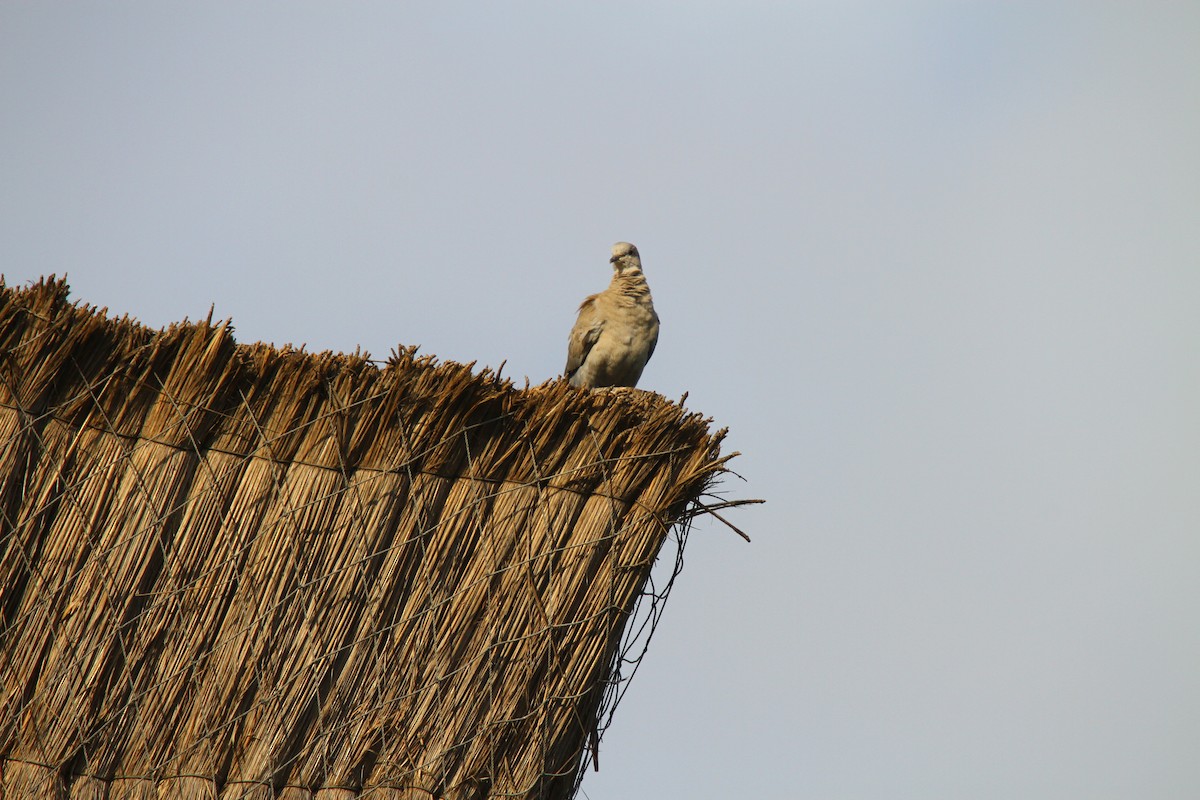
[(936, 265)]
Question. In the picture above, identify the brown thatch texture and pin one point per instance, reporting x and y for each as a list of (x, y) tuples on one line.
[(240, 571)]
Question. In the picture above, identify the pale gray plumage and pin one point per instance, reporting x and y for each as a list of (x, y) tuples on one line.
[(617, 329)]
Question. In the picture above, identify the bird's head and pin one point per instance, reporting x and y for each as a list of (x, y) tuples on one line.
[(625, 259)]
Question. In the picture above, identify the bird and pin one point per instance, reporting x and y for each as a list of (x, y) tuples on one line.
[(617, 329)]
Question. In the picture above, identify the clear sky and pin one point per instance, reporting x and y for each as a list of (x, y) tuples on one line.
[(935, 264)]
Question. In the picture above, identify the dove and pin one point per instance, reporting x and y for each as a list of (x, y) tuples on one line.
[(617, 329)]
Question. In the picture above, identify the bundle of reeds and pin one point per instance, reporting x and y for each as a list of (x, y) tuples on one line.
[(241, 571)]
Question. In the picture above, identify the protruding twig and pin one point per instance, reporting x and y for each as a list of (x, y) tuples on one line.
[(729, 504)]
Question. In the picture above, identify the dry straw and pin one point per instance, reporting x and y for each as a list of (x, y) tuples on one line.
[(235, 571)]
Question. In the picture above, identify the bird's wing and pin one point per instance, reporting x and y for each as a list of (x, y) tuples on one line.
[(584, 335), (653, 340)]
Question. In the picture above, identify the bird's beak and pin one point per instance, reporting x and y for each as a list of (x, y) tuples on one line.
[(613, 260)]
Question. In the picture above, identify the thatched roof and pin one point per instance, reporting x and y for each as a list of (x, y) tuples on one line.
[(240, 571)]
